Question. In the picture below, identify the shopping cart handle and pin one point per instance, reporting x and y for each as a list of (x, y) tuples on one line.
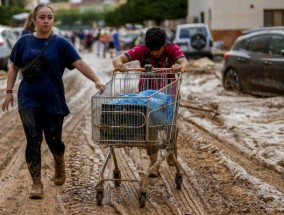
[(143, 69)]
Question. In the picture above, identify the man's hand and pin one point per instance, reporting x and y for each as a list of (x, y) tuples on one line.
[(121, 67), (177, 68)]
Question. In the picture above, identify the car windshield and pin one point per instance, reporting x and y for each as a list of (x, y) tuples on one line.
[(189, 32)]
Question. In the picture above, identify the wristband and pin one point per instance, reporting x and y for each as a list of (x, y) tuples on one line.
[(9, 91)]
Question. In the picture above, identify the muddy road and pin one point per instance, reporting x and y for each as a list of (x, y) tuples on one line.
[(230, 165)]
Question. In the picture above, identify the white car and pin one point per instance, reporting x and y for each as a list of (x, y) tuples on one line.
[(7, 40), (195, 40)]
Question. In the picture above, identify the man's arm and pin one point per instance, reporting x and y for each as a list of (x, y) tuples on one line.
[(182, 65)]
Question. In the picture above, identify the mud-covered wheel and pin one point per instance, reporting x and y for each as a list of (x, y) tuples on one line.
[(100, 197), (142, 200), (178, 181), (231, 81), (117, 175)]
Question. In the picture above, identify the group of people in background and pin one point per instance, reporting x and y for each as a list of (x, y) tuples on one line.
[(100, 40)]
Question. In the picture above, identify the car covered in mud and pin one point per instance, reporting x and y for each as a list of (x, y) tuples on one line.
[(255, 64)]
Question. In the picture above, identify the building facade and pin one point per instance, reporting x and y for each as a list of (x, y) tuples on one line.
[(228, 18)]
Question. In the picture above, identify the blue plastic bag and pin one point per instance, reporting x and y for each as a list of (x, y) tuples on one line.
[(159, 103)]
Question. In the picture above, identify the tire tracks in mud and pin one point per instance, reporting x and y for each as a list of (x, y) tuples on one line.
[(162, 198), (261, 187), (251, 164)]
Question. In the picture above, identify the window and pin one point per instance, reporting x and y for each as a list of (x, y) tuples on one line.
[(276, 45), (273, 18), (259, 43), (184, 33), (189, 32), (243, 44)]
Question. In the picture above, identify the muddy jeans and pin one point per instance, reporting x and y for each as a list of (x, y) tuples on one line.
[(35, 122)]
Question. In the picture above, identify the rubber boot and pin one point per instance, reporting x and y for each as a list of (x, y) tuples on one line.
[(37, 189), (59, 166), (153, 154)]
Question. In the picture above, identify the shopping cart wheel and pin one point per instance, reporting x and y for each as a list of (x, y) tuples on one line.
[(117, 175), (142, 200), (178, 181), (99, 197)]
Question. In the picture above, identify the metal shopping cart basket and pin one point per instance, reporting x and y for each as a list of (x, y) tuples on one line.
[(137, 109)]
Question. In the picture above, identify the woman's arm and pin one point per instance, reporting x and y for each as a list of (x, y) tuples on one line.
[(89, 73)]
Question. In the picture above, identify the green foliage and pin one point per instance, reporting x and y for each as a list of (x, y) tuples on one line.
[(75, 17), (7, 12), (137, 11), (14, 3), (52, 1)]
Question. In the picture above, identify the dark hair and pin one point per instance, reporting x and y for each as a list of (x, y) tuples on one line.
[(155, 38), (39, 6)]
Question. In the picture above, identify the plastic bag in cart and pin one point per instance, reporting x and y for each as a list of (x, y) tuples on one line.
[(160, 104)]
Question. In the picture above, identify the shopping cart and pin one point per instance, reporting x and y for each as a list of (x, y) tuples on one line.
[(138, 108)]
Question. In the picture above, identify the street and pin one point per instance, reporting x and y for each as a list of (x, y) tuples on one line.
[(230, 147)]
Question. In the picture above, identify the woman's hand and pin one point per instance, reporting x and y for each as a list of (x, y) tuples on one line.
[(100, 87), (8, 99)]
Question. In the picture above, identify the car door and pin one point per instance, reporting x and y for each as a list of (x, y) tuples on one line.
[(273, 65), (256, 80)]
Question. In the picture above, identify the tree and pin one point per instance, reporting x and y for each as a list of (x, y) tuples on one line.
[(58, 1), (137, 11), (10, 8)]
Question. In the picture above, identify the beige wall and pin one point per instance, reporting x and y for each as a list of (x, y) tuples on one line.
[(233, 14), (230, 17)]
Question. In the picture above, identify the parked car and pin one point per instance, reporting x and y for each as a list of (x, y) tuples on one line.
[(141, 39), (17, 31), (7, 40), (5, 52), (253, 30), (128, 40), (195, 40), (255, 63)]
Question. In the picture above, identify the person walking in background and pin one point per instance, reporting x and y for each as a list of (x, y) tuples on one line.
[(89, 40), (29, 26), (102, 44), (41, 102), (116, 42), (110, 45), (160, 54)]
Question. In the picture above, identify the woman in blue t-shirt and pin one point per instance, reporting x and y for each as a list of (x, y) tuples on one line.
[(41, 102)]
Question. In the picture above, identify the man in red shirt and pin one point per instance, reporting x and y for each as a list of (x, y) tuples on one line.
[(160, 54)]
